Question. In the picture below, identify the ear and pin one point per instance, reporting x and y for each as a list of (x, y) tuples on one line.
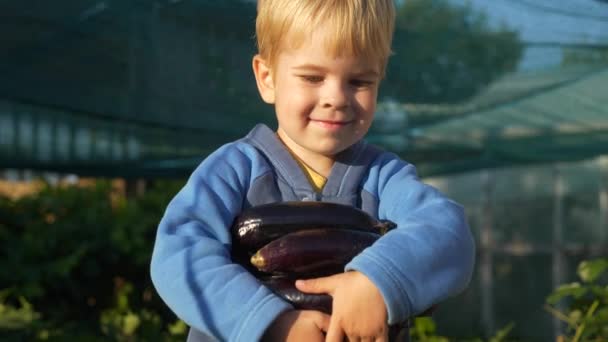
[(263, 78)]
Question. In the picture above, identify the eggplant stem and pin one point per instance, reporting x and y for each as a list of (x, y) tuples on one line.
[(384, 226), (257, 260)]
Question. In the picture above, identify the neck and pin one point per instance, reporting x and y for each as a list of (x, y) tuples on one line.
[(320, 163)]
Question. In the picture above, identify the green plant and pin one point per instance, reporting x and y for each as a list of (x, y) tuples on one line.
[(424, 329), (64, 253), (586, 303), (12, 317), (124, 323)]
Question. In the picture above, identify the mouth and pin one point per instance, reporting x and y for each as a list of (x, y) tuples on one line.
[(331, 125)]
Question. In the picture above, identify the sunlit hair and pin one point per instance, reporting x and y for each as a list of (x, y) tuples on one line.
[(356, 27)]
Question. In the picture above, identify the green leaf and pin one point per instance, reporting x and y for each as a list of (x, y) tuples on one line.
[(178, 328), (590, 270), (17, 318), (602, 314), (425, 325), (573, 289), (575, 316), (130, 323), (502, 333)]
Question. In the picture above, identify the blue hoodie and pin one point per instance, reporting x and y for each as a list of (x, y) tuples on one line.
[(426, 259)]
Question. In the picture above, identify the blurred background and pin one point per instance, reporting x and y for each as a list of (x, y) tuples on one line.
[(107, 106)]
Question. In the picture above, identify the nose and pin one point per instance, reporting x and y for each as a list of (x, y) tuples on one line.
[(335, 95)]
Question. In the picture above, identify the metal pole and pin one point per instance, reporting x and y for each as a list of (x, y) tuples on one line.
[(559, 260), (487, 245), (603, 202)]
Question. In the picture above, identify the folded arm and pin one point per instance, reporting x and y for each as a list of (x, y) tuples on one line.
[(191, 267), (429, 257)]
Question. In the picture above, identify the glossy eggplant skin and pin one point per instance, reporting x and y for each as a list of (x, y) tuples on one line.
[(259, 225), (285, 288), (308, 251)]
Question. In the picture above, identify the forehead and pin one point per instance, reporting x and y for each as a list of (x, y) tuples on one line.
[(321, 46), (314, 59)]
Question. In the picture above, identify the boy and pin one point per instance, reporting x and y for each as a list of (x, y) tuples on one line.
[(320, 63)]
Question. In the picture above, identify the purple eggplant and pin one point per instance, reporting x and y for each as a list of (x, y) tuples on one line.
[(285, 288), (259, 225), (312, 250)]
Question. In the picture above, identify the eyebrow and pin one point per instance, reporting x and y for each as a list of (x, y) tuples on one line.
[(314, 67), (309, 67)]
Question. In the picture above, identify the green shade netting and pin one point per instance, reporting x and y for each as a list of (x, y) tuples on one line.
[(149, 88)]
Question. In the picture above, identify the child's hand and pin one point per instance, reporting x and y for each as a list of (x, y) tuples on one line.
[(295, 326), (358, 309)]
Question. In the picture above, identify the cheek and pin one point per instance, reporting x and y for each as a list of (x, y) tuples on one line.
[(366, 98), (293, 111), (363, 126), (298, 102), (367, 106)]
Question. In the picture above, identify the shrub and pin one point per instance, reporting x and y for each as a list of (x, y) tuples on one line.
[(585, 302), (76, 262)]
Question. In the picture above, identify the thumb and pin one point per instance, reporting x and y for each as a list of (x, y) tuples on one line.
[(316, 285)]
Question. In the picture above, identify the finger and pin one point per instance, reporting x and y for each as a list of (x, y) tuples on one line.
[(335, 333), (316, 285), (383, 338), (323, 321), (358, 338)]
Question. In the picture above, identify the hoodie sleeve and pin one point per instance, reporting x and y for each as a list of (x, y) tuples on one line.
[(429, 256), (191, 266)]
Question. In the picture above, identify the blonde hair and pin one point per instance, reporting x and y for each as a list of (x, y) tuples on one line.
[(356, 27)]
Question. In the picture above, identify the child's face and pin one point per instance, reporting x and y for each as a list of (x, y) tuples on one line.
[(323, 104)]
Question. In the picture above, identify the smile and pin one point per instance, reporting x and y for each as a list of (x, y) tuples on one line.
[(330, 124)]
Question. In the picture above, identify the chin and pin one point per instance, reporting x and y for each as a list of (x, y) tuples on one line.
[(328, 146), (331, 151)]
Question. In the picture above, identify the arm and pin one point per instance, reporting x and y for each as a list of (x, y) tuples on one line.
[(429, 257), (191, 265)]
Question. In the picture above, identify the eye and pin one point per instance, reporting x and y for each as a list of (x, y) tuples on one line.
[(312, 78), (361, 83)]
